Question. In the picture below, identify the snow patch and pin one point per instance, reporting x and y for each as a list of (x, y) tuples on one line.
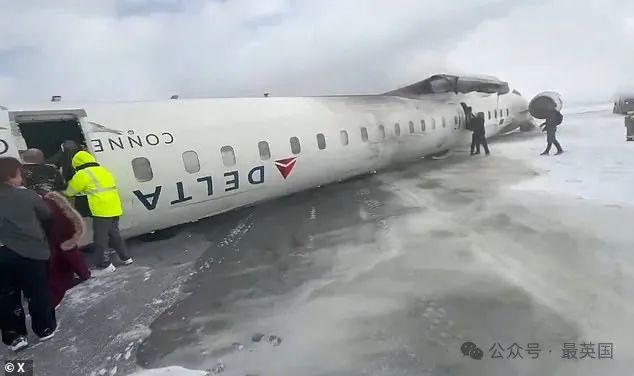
[(88, 294), (237, 232), (170, 371), (219, 368), (135, 333), (585, 171), (69, 349)]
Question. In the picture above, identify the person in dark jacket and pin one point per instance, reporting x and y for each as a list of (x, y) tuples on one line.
[(23, 259), (550, 127), (64, 157), (39, 176), (64, 160), (629, 126), (479, 133), (469, 118), (64, 233)]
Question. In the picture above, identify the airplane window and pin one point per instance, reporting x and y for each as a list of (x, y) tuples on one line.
[(501, 113), (142, 169), (489, 115), (496, 113), (433, 124), (397, 129), (364, 134), (507, 112), (455, 120), (295, 148), (344, 137), (228, 156), (444, 124), (422, 125), (265, 152), (411, 127), (191, 162), (321, 141), (382, 132)]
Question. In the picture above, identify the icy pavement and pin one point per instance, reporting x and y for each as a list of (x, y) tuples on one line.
[(391, 274), (170, 371), (102, 321), (598, 164), (388, 275)]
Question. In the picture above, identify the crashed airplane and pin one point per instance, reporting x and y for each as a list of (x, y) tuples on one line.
[(178, 161)]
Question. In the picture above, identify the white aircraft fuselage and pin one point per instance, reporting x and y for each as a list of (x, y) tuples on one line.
[(178, 161)]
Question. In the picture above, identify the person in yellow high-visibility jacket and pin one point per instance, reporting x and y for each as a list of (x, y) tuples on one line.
[(93, 180)]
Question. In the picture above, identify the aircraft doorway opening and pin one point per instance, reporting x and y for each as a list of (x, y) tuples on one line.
[(48, 133)]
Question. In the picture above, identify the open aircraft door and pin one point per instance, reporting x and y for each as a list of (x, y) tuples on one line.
[(8, 146)]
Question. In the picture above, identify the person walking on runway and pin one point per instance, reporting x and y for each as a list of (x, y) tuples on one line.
[(550, 127)]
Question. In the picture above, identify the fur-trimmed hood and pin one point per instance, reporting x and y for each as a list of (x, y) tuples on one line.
[(74, 217)]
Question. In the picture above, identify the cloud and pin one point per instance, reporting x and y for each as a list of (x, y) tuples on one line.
[(581, 50), (141, 49)]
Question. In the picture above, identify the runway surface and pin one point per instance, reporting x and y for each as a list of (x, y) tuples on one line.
[(388, 274)]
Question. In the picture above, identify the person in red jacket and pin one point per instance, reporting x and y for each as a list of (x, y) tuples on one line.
[(64, 232)]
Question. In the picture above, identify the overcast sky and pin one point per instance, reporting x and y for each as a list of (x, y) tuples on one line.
[(97, 50)]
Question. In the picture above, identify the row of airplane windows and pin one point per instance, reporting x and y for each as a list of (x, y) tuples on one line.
[(142, 167), (501, 113)]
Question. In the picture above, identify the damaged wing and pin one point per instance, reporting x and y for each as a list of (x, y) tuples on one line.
[(446, 83)]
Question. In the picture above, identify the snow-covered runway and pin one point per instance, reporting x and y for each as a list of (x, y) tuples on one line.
[(387, 275)]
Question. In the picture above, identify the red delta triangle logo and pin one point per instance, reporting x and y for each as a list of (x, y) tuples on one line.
[(285, 166)]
